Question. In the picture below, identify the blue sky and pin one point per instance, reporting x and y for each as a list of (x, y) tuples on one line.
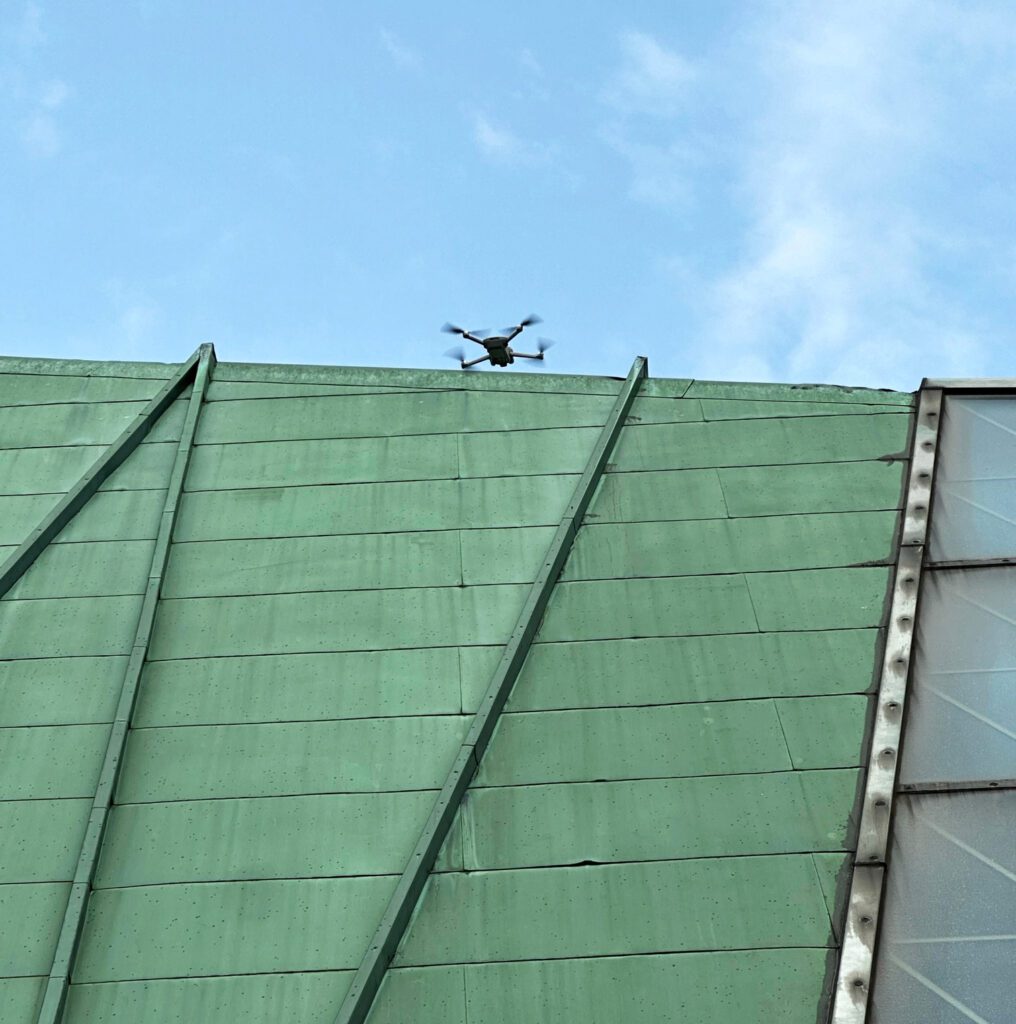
[(754, 191)]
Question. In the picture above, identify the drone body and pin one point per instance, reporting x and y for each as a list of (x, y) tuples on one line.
[(498, 346)]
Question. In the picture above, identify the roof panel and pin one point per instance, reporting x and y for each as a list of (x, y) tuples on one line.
[(678, 606), (725, 903), (299, 687), (59, 691), (374, 507), (299, 837), (342, 621), (824, 731), (88, 569), (201, 762), (40, 839), (819, 598), (670, 670), (834, 487), (296, 463), (797, 393), (51, 761), (761, 442), (701, 547), (644, 497), (37, 909), (770, 986), (68, 627), (171, 931), (635, 743), (291, 565), (655, 819)]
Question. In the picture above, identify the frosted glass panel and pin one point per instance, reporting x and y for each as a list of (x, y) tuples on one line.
[(961, 724), (947, 952), (975, 483)]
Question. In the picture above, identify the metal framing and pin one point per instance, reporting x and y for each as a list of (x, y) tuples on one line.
[(74, 500), (199, 369), (385, 941), (853, 979)]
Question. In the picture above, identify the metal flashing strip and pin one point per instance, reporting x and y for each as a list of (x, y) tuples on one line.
[(74, 500), (969, 385), (200, 368), (385, 941), (853, 980)]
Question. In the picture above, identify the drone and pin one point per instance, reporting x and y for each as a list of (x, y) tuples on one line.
[(498, 346)]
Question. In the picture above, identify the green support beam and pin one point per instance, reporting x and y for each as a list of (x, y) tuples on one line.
[(197, 369), (74, 500), (385, 941)]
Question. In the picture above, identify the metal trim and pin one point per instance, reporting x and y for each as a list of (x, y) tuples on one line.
[(999, 562), (971, 385), (959, 786), (360, 996), (199, 367), (853, 980), (74, 500)]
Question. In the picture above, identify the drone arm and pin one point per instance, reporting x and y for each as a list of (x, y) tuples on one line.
[(515, 332), (526, 355), (472, 362), (472, 337)]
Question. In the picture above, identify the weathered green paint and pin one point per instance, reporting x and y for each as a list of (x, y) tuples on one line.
[(302, 687), (200, 762), (559, 912), (19, 999), (31, 389), (345, 621), (81, 423), (738, 409), (551, 383), (679, 606), (770, 986), (219, 840), (824, 731), (67, 627), (109, 515), (296, 463), (645, 497), (54, 470), (635, 743), (289, 565), (704, 547), (797, 393), (59, 691), (374, 507), (39, 839), (832, 487), (653, 819), (293, 925), (309, 997), (819, 599), (762, 442), (670, 670), (34, 910), (50, 761), (88, 569)]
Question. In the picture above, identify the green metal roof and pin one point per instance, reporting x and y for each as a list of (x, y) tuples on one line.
[(660, 828)]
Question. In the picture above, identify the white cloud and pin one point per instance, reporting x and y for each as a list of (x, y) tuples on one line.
[(40, 136), (838, 273), (400, 52), (502, 145), (652, 79)]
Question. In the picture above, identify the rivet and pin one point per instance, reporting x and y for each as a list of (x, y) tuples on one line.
[(881, 803), (865, 919), (858, 983), (888, 752)]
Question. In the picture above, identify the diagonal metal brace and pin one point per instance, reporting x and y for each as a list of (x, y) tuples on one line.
[(385, 941), (74, 500), (198, 369)]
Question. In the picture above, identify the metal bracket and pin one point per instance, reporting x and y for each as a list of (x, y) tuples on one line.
[(199, 369), (385, 941), (850, 1002)]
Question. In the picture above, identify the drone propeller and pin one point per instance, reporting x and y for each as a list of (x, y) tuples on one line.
[(452, 329), (458, 354), (542, 344), (530, 320)]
